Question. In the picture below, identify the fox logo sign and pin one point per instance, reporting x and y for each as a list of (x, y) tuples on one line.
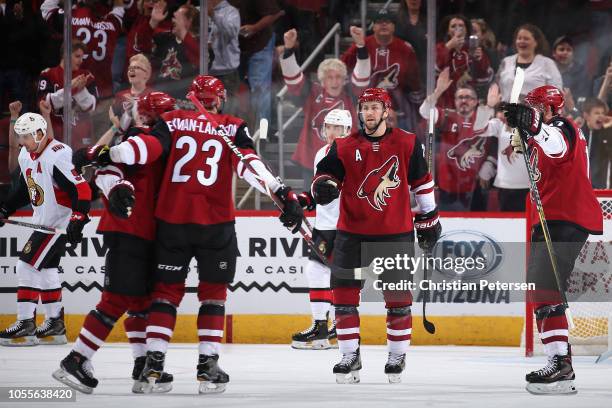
[(375, 188), (467, 151)]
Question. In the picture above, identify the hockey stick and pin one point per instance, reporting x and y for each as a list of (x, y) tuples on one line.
[(42, 228), (305, 228), (514, 96), (429, 326)]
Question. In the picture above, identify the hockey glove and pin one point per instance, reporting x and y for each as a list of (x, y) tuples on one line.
[(292, 211), (99, 155), (428, 229), (121, 199), (524, 118), (306, 201), (4, 213), (325, 189), (74, 231)]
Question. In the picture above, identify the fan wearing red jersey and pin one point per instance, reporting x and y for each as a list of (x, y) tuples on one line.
[(198, 175), (375, 168), (128, 227), (84, 94), (98, 27), (559, 160)]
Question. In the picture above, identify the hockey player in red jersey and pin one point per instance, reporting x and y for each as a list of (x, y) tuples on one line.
[(375, 168), (558, 157), (60, 199), (195, 214), (128, 227), (337, 124)]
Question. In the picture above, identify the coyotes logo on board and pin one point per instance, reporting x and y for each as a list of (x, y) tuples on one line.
[(375, 187), (37, 194), (467, 151)]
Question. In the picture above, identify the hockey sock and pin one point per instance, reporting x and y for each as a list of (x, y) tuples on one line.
[(51, 293), (211, 318), (94, 332), (346, 300), (553, 329), (28, 290), (318, 276), (399, 329), (160, 326), (135, 326)]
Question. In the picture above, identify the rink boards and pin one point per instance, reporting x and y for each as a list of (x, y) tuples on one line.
[(269, 297)]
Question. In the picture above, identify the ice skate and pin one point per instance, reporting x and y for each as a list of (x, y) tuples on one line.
[(394, 367), (76, 372), (557, 377), (211, 377), (347, 370), (52, 331), (20, 333), (163, 384), (313, 338), (152, 372)]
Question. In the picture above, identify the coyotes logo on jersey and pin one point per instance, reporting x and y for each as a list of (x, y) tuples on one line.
[(37, 194), (467, 151), (171, 66), (376, 185), (386, 78)]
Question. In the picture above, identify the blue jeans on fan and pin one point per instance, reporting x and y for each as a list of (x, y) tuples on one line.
[(259, 76)]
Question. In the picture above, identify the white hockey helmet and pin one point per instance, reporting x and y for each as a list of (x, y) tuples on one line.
[(29, 124), (341, 117)]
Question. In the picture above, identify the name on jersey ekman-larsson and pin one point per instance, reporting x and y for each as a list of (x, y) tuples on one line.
[(194, 125)]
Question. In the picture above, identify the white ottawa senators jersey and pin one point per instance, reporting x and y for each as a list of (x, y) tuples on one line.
[(327, 215), (54, 187)]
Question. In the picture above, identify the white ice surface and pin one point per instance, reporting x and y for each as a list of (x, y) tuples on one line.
[(277, 376)]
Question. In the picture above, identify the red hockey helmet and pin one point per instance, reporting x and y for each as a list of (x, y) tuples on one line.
[(546, 95), (377, 95), (207, 89), (154, 104)]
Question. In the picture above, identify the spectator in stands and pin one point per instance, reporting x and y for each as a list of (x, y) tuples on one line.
[(152, 19), (301, 15), (139, 73), (598, 131), (573, 73), (468, 63), (96, 26), (22, 32), (461, 151), (257, 52), (412, 28), (603, 85), (487, 40), (531, 47), (84, 97), (394, 67), (332, 91), (176, 54), (225, 28), (507, 168)]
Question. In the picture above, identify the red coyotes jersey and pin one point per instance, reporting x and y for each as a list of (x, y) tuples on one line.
[(197, 183), (318, 104), (563, 182), (52, 80), (146, 181), (100, 34), (461, 152), (463, 68), (377, 175), (394, 67)]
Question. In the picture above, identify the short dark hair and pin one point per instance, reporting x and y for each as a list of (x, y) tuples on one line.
[(444, 24), (76, 45), (591, 103), (468, 87)]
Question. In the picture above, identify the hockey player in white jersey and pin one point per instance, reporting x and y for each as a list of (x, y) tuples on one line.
[(60, 199), (337, 123)]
